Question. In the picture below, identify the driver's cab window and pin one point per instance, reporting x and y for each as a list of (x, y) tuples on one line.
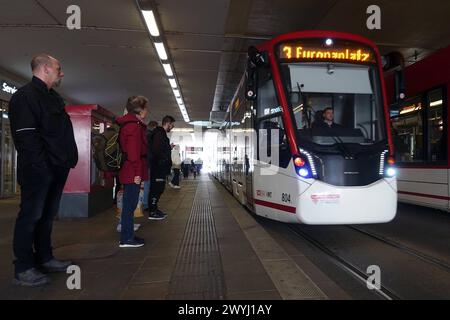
[(347, 101), (269, 122)]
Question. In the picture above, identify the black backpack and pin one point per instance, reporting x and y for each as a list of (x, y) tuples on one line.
[(108, 155)]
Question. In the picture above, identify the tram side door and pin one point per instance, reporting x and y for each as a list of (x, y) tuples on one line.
[(250, 147)]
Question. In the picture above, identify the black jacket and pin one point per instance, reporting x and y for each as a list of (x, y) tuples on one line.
[(40, 127), (323, 124), (161, 151)]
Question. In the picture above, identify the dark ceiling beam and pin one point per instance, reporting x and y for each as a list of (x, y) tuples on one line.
[(47, 12), (57, 26), (226, 35), (209, 51)]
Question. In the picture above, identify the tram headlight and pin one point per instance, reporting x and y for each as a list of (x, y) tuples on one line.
[(303, 172), (391, 172)]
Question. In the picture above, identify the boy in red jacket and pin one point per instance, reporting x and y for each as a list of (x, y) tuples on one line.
[(133, 142)]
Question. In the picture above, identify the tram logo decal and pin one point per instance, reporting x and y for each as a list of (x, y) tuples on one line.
[(329, 198), (264, 194)]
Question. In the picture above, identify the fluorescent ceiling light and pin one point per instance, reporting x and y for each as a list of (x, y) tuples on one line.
[(152, 27), (168, 69), (151, 22), (436, 103), (161, 50), (173, 83)]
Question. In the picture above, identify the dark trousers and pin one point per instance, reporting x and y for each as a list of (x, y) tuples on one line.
[(176, 177), (41, 190), (185, 170), (158, 184), (130, 201)]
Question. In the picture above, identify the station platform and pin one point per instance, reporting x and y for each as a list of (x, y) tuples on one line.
[(209, 247)]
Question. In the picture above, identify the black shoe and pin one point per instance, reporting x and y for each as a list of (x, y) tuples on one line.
[(54, 265), (133, 243), (157, 215), (31, 278), (161, 213)]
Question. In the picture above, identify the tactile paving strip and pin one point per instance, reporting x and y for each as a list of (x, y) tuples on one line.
[(198, 271)]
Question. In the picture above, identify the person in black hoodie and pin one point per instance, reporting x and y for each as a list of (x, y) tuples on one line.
[(160, 158), (44, 138)]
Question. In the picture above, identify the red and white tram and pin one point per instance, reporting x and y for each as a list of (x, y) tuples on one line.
[(278, 156), (420, 131)]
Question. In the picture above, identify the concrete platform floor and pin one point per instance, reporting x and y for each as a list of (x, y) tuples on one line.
[(218, 253)]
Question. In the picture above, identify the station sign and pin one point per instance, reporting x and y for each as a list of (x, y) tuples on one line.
[(7, 87)]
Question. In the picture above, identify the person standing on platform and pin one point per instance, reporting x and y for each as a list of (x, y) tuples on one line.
[(160, 165), (176, 166), (151, 126), (193, 168), (133, 142), (185, 166), (43, 136)]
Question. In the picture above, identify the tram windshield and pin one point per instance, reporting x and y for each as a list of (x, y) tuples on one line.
[(335, 103)]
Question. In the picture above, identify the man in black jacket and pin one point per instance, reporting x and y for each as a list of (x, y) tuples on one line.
[(160, 165), (44, 139), (328, 119)]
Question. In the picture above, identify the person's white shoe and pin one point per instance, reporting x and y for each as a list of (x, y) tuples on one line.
[(136, 227), (177, 187), (171, 185)]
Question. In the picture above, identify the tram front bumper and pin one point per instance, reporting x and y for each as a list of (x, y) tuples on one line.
[(325, 204)]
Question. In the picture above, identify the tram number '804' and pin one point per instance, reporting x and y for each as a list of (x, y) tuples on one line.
[(286, 197)]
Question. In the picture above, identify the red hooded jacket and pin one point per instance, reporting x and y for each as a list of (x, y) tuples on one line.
[(133, 142)]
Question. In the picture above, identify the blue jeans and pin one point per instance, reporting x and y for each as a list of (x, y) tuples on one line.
[(146, 193), (130, 202)]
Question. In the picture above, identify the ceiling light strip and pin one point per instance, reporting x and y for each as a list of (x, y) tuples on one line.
[(165, 60)]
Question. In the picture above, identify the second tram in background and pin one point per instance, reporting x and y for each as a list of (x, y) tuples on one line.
[(305, 169), (420, 131)]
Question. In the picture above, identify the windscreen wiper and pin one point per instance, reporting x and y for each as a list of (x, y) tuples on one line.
[(341, 146)]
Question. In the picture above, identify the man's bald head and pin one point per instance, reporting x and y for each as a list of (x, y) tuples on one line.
[(40, 60), (48, 69)]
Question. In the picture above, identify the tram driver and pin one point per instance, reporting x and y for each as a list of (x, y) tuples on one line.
[(327, 120)]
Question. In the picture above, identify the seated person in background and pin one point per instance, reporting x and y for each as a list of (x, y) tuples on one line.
[(328, 119)]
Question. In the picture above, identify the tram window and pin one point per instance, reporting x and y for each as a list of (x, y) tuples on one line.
[(407, 131), (351, 92), (267, 98), (436, 127), (265, 127)]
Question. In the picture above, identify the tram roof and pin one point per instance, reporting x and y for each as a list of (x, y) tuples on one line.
[(112, 56)]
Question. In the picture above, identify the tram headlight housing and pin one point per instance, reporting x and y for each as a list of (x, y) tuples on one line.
[(387, 165), (390, 171), (302, 167)]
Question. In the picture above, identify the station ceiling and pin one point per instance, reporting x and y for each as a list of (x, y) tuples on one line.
[(112, 56)]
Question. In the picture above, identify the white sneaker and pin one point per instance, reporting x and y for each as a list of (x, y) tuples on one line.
[(177, 187), (171, 185), (136, 227)]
